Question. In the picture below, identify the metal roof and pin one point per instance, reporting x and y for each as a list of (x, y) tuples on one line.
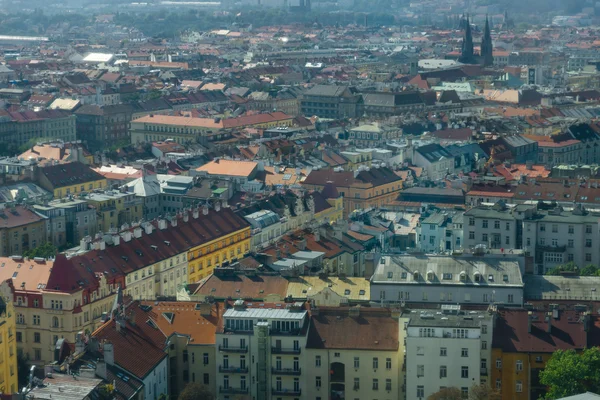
[(266, 313)]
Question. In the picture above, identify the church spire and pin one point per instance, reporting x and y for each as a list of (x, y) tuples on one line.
[(487, 48), (466, 55)]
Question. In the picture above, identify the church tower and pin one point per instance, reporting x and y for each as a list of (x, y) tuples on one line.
[(487, 48), (466, 55)]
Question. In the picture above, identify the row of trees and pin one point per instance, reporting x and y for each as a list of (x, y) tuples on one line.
[(572, 268), (568, 373)]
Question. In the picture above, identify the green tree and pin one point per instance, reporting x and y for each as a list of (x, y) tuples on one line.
[(589, 270), (46, 250), (568, 267), (568, 373), (23, 367), (449, 393), (483, 392), (195, 391)]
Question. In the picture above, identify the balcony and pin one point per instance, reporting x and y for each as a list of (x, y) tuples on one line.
[(229, 349), (232, 390), (286, 371), (233, 370), (279, 350), (286, 392), (483, 371)]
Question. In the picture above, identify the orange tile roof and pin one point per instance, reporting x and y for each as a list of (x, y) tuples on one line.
[(187, 320), (25, 274), (228, 167)]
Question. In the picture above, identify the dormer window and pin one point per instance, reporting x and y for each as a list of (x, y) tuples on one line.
[(416, 275), (478, 277), (430, 275), (463, 276)]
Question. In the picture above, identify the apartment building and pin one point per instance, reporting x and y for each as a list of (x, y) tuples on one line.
[(78, 217), (366, 364), (361, 189), (266, 227), (440, 231), (21, 229), (222, 237), (68, 179), (98, 125), (495, 227), (443, 279), (330, 101), (262, 351), (554, 237), (448, 348), (525, 340), (435, 160), (189, 330), (56, 300), (8, 348), (19, 127), (115, 208)]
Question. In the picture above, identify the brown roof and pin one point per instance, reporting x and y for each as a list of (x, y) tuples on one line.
[(244, 287), (511, 332), (138, 348), (229, 167), (73, 173), (19, 216), (372, 177), (186, 320), (373, 329)]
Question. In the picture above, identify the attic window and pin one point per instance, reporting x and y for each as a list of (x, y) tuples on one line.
[(139, 253), (491, 278), (15, 274), (347, 292), (152, 323), (583, 197), (167, 243), (169, 316), (537, 194), (154, 247), (390, 275), (361, 292), (403, 275), (505, 278), (304, 291)]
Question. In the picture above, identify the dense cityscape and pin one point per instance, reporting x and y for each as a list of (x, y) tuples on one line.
[(299, 200)]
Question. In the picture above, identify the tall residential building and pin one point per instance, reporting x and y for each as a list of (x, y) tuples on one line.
[(115, 208), (452, 280), (262, 351), (22, 126), (330, 101), (354, 352), (451, 348), (78, 216), (361, 189), (100, 125), (9, 383), (68, 179), (55, 300), (21, 229)]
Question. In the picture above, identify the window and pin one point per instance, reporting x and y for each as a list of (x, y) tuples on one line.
[(542, 228), (484, 237), (498, 363), (356, 362), (388, 384), (420, 391), (356, 383), (554, 228), (471, 235), (484, 345), (464, 372), (443, 351), (484, 329), (375, 362), (508, 226), (36, 319), (519, 386), (511, 298), (420, 371), (464, 392), (388, 363), (37, 337), (464, 352), (498, 384), (588, 256), (205, 359), (471, 221), (588, 242), (19, 337), (375, 384), (588, 229), (317, 361), (496, 224), (318, 381), (420, 351), (484, 223), (571, 229), (570, 243), (443, 371), (519, 365)]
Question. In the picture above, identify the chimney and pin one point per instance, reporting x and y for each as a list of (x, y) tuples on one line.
[(131, 318), (102, 245), (137, 232), (186, 216), (218, 206), (586, 321), (116, 239), (162, 224), (127, 236), (317, 235), (205, 210), (205, 309), (109, 353), (79, 343), (148, 228), (529, 321), (396, 313), (101, 369), (195, 213), (549, 321), (174, 221), (302, 244), (555, 312), (354, 312), (278, 253)]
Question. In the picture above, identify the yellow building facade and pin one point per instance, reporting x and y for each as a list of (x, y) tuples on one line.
[(114, 209), (203, 258), (8, 345)]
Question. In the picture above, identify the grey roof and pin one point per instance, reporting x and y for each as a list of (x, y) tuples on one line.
[(434, 318), (583, 396), (547, 287), (491, 212), (145, 186), (433, 152), (516, 140), (22, 191), (565, 217), (326, 90), (401, 269), (265, 313)]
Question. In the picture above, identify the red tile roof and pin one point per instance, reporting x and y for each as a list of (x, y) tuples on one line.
[(19, 216), (511, 332)]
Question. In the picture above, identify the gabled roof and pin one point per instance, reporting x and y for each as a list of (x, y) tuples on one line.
[(73, 173), (241, 286)]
